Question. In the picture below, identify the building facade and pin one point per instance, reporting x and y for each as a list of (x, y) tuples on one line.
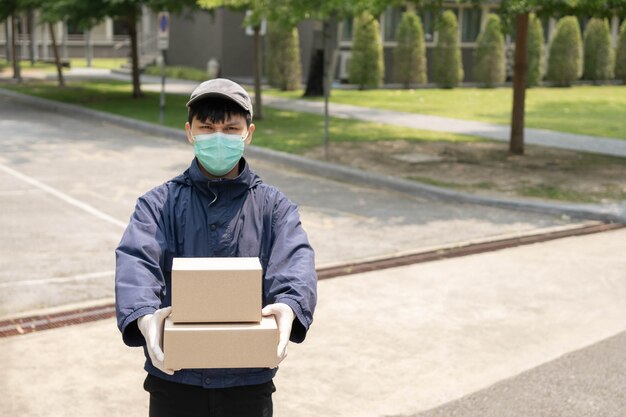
[(198, 36)]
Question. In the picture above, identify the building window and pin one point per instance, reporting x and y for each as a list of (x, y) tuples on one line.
[(120, 27), (470, 27), (346, 36), (73, 29), (429, 20), (393, 16)]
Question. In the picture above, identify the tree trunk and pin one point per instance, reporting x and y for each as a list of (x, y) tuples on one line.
[(258, 109), (516, 145), (88, 48), (315, 77), (7, 39), (134, 52), (32, 32), (17, 75), (331, 40), (57, 59)]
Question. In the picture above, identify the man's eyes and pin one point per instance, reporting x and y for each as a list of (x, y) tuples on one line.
[(226, 129)]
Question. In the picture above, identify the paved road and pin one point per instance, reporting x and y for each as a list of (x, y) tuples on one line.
[(68, 186), (395, 342)]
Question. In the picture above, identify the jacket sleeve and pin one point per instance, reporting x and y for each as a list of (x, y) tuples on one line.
[(290, 276), (139, 281)]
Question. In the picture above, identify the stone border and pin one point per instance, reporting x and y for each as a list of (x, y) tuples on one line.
[(613, 213)]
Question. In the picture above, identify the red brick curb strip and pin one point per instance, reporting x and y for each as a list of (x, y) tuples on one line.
[(19, 326), (15, 327)]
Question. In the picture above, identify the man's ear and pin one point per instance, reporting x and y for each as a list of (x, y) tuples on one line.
[(189, 134), (250, 132)]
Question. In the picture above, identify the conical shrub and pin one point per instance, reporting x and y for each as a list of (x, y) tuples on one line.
[(283, 67), (489, 62), (620, 56), (565, 63), (447, 65), (410, 55), (599, 56), (536, 59), (366, 67)]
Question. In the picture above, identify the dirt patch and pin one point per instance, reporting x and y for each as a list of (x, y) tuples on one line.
[(487, 168)]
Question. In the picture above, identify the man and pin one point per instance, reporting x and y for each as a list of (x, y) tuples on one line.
[(217, 208)]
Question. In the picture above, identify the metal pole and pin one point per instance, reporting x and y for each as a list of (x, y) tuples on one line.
[(326, 81), (162, 101)]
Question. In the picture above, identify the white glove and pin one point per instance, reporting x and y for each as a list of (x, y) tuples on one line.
[(151, 326), (284, 319)]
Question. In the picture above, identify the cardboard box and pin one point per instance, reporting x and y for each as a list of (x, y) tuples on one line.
[(216, 290), (221, 345)]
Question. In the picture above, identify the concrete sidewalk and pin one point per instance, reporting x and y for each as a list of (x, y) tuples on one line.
[(387, 343)]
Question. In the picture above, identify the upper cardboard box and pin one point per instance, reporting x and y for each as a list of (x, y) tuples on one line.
[(216, 290)]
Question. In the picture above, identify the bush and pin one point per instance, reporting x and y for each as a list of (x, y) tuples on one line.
[(409, 62), (565, 63), (536, 59), (599, 56), (283, 66), (620, 58), (489, 62), (448, 67), (366, 67)]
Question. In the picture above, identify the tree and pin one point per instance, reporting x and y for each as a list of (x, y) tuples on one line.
[(9, 10), (565, 63), (410, 55), (620, 59), (489, 63), (599, 58), (448, 67), (284, 70), (259, 10), (536, 59), (367, 66)]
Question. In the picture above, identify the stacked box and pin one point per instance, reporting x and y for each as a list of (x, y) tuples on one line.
[(216, 317)]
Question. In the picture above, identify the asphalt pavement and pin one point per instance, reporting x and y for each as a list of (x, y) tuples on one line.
[(481, 332)]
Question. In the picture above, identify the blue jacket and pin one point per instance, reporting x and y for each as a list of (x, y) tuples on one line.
[(193, 216)]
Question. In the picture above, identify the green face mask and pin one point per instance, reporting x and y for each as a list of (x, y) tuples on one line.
[(217, 152)]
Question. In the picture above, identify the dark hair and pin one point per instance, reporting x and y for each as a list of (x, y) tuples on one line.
[(217, 110)]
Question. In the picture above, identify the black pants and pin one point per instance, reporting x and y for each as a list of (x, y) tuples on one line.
[(170, 399)]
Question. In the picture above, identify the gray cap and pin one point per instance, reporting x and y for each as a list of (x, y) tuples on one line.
[(221, 87)]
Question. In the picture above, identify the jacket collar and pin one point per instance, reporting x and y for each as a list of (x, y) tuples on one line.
[(245, 180)]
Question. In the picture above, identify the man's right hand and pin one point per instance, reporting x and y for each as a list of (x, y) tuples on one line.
[(151, 327)]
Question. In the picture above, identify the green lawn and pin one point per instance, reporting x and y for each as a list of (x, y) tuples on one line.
[(107, 63), (281, 130), (592, 110)]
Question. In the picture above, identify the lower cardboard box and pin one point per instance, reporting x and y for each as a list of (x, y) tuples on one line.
[(220, 345)]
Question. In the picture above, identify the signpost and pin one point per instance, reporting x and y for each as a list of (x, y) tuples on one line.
[(163, 43)]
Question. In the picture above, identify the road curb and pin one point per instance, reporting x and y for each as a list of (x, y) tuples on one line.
[(612, 213)]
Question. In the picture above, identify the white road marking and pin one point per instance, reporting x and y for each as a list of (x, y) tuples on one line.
[(59, 280), (62, 196)]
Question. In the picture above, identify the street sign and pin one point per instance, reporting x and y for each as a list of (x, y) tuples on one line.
[(163, 38), (250, 29)]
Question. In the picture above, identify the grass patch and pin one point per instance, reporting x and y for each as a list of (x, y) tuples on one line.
[(280, 130), (106, 63), (608, 192), (591, 110), (181, 73)]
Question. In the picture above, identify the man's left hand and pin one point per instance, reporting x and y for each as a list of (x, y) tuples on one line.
[(284, 319)]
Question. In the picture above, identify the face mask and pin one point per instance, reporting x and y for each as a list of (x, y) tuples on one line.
[(217, 152)]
